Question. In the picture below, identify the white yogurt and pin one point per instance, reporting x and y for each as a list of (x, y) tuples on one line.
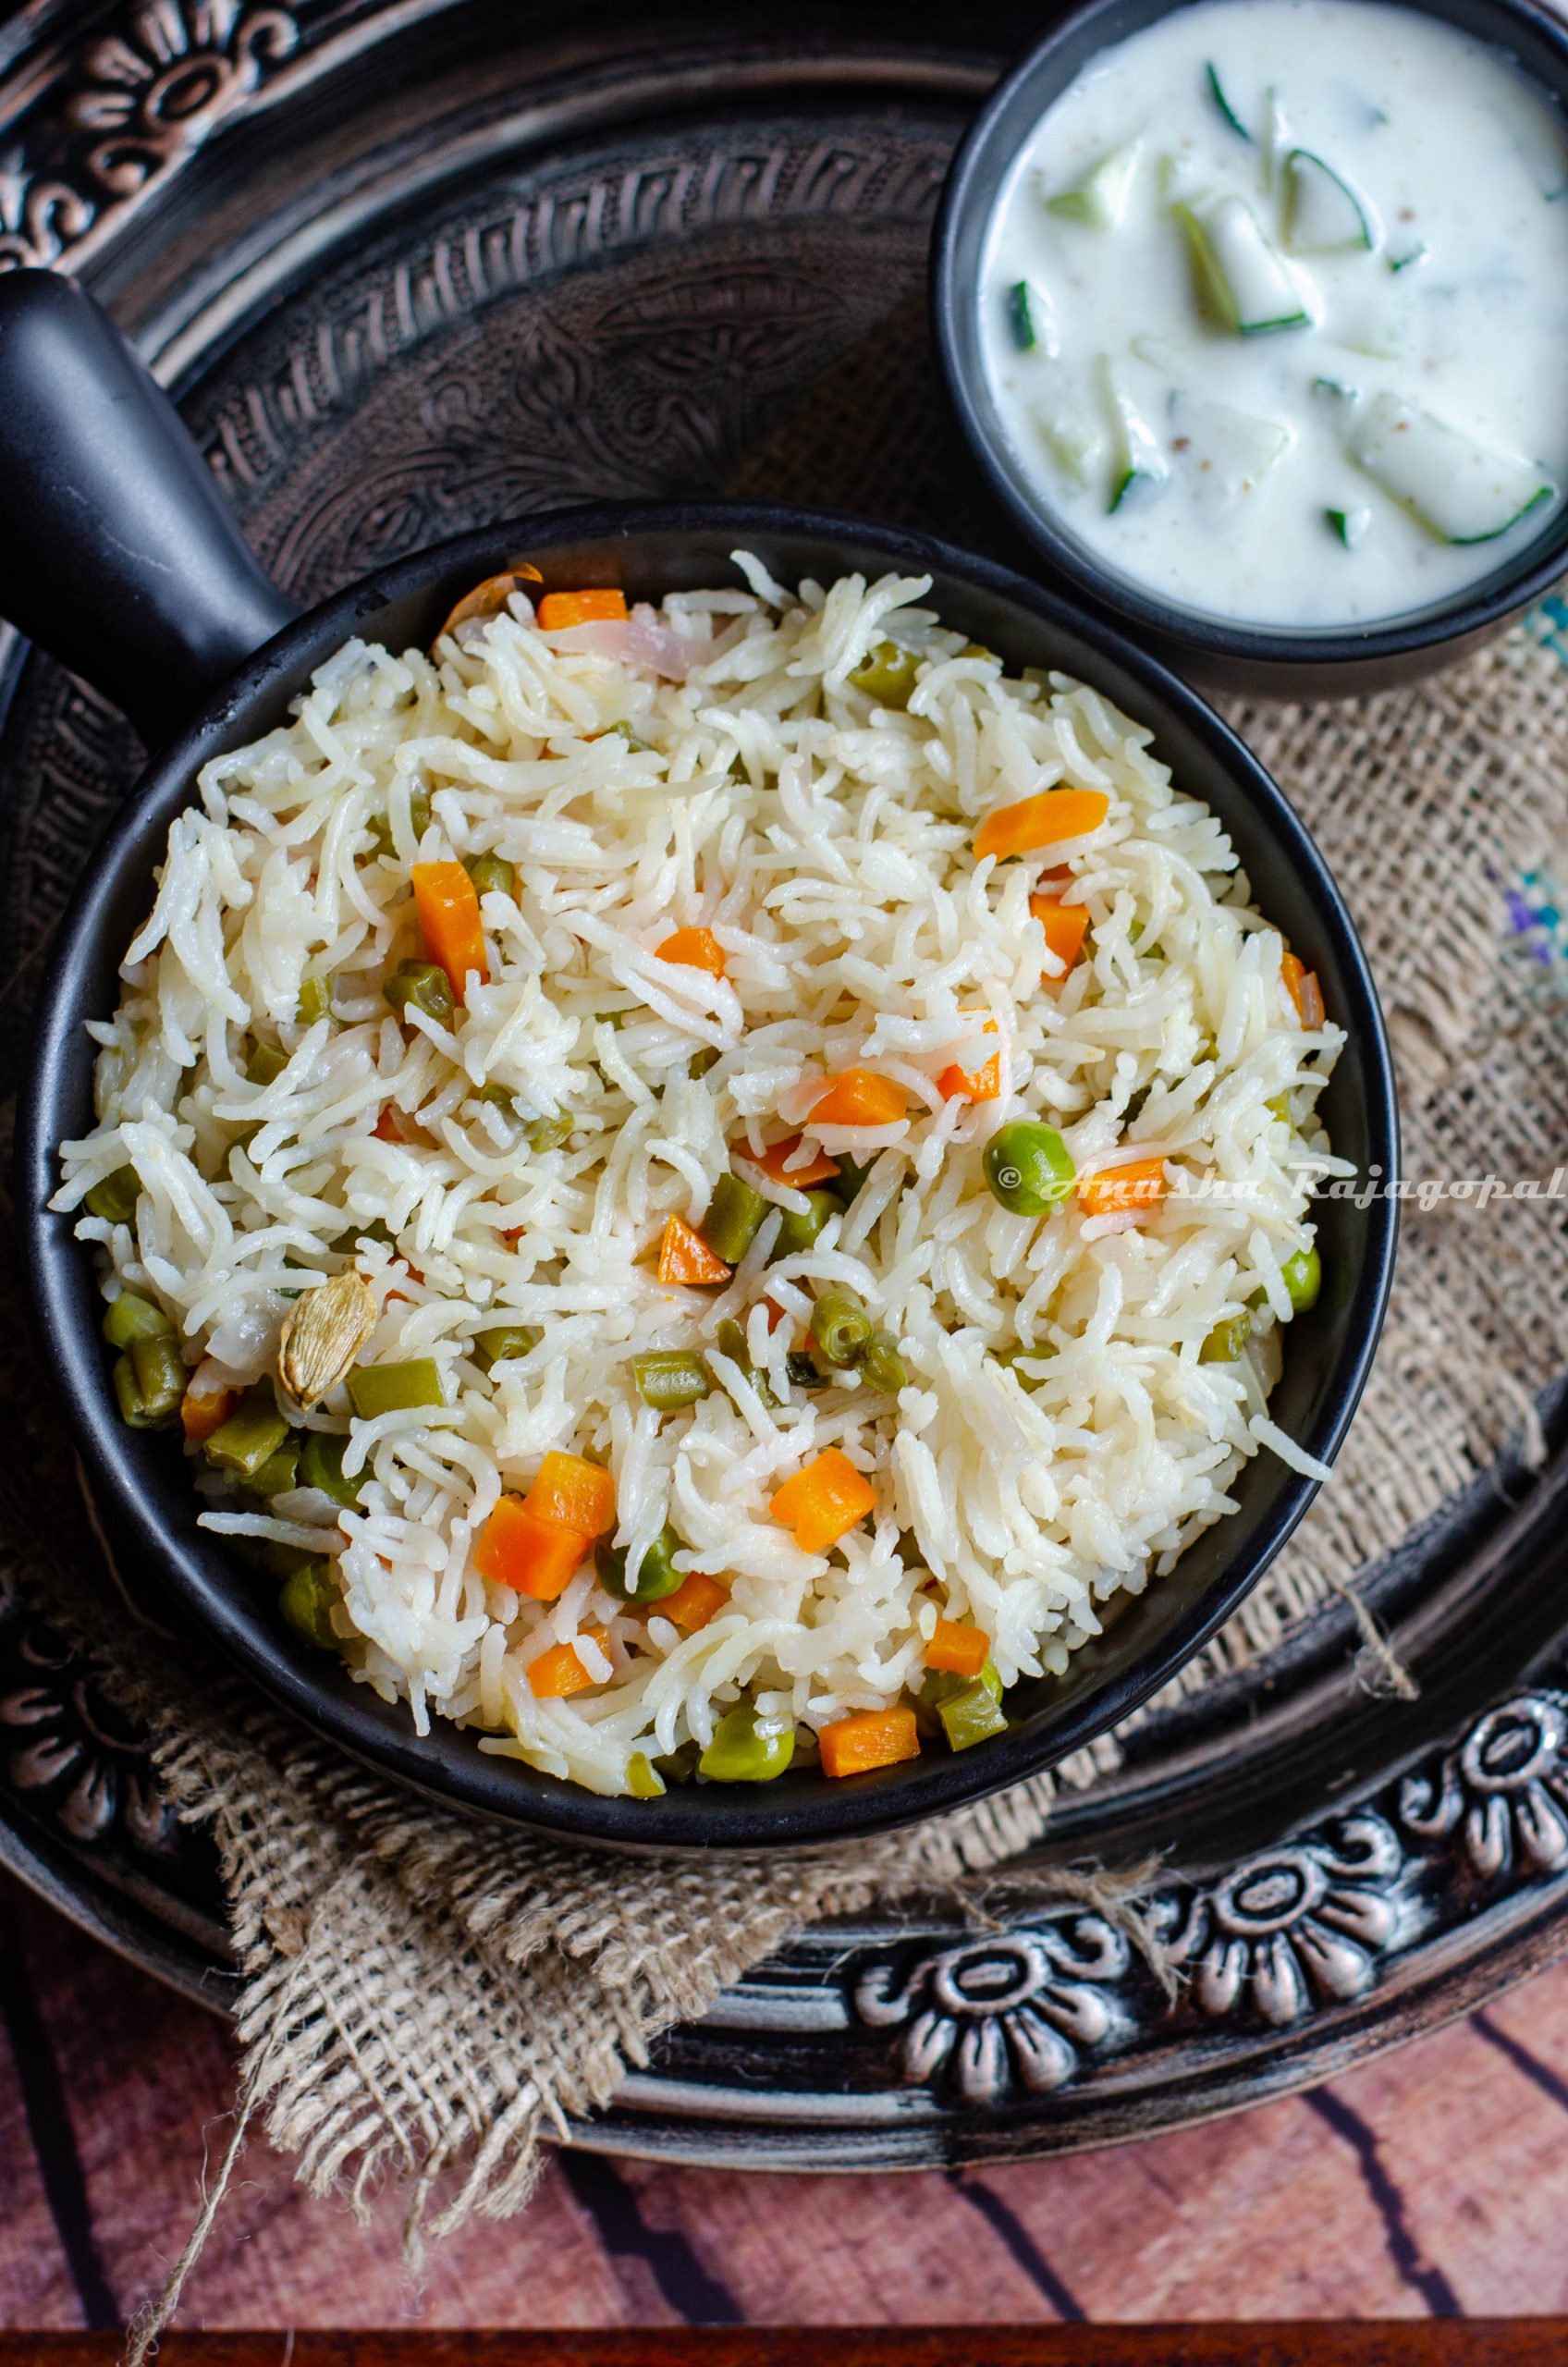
[(1304, 367)]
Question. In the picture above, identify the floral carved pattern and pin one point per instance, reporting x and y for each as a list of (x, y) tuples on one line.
[(1006, 2009), (1503, 1793), (143, 97)]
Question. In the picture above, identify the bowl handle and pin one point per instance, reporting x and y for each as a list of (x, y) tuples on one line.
[(118, 553)]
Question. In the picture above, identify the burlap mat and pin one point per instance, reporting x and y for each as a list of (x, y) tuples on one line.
[(423, 1997)]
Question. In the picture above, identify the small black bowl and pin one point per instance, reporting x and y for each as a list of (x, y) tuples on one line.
[(149, 587), (1275, 661)]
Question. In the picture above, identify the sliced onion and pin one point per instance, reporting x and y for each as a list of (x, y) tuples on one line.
[(635, 641)]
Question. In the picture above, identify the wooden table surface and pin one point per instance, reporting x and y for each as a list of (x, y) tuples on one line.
[(1433, 2182)]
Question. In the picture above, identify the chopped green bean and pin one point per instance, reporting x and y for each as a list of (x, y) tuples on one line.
[(1029, 1168), (131, 1317), (265, 1064), (738, 1754), (392, 1389), (804, 1371), (278, 1473), (625, 729), (881, 1363), (306, 1604), (734, 1218), (549, 1134), (798, 1230), (115, 1199), (1279, 1107), (378, 828), (851, 1175), (655, 1575), (425, 986), (252, 1435), (679, 1765), (504, 1339), (495, 1096), (419, 810), (128, 1393), (732, 1343), (887, 673), (321, 1465), (160, 1373), (840, 1326), (375, 1230), (315, 1001), (642, 1781), (670, 1380), (972, 1714), (1303, 1277), (491, 875), (1227, 1340), (614, 1020), (700, 1062)]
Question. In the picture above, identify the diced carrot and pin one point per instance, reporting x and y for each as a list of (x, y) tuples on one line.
[(557, 610), (859, 1098), (559, 1670), (571, 1493), (823, 1502), (536, 1557), (868, 1738), (816, 1168), (205, 1409), (447, 904), (1139, 1184), (386, 1129), (684, 1256), (695, 1600), (510, 1233), (957, 1649), (1041, 821), (776, 1315), (488, 599), (694, 949), (983, 1083), (1066, 926), (1301, 985)]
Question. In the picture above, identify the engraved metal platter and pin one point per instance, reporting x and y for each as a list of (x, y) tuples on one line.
[(411, 266)]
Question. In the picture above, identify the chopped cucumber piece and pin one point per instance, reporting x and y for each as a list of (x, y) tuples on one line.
[(1226, 453), (1100, 198), (1276, 139), (1182, 181), (1405, 262), (1351, 525), (1367, 330), (1460, 490), (1159, 355), (1217, 93), (1336, 390), (1073, 442), (1323, 216), (1137, 466), (1242, 283), (1031, 318)]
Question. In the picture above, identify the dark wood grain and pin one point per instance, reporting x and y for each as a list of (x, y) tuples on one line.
[(1498, 2343)]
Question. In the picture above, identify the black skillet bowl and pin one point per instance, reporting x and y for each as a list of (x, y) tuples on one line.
[(122, 560), (1269, 661)]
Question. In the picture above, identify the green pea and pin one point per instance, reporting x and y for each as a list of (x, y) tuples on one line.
[(306, 1604), (800, 1228), (840, 1326), (265, 1064), (419, 810), (657, 1574), (505, 1340), (1029, 1168), (426, 987), (734, 1217), (1278, 1106), (278, 1473), (378, 829), (115, 1199), (679, 1765), (321, 1465), (549, 1134), (642, 1781), (970, 1715), (738, 1754), (1227, 1340), (391, 1388), (668, 1382), (315, 1001), (131, 1317), (881, 1365), (1303, 1277), (614, 1020), (1018, 1354), (887, 673), (252, 1435), (491, 875)]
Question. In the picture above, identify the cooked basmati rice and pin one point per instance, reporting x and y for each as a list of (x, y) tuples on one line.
[(826, 842)]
